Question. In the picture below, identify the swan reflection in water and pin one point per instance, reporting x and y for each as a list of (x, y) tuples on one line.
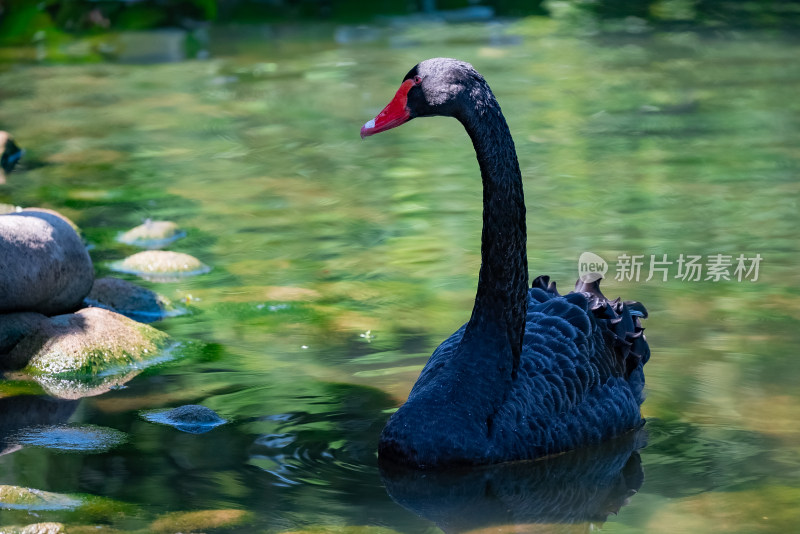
[(582, 486)]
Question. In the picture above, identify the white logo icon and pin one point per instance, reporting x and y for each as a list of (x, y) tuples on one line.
[(591, 267)]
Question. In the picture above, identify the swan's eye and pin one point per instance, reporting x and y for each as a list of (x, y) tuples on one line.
[(417, 80)]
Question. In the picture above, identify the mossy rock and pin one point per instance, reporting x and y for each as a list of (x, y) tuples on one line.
[(79, 507), (90, 342), (152, 234)]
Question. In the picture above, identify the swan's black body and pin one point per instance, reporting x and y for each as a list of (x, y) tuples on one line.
[(532, 373)]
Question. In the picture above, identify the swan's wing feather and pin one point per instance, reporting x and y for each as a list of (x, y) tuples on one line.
[(580, 379)]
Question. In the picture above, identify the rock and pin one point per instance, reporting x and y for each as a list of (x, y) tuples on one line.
[(353, 529), (15, 326), (94, 529), (152, 234), (199, 521), (191, 418), (19, 498), (130, 300), (35, 528), (45, 266), (161, 265), (51, 212), (31, 500), (10, 155), (71, 437), (91, 342)]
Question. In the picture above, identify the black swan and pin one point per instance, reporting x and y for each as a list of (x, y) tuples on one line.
[(532, 373)]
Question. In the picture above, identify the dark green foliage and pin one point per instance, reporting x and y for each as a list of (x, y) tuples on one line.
[(21, 19)]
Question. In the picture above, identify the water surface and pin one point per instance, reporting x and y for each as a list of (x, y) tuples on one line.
[(338, 265)]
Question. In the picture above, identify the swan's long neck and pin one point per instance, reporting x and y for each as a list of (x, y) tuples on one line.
[(501, 300)]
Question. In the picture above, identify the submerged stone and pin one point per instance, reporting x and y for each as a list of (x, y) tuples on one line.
[(198, 521), (130, 300), (152, 234), (29, 411), (34, 501), (19, 498), (91, 342), (35, 528), (72, 437), (343, 529), (161, 265), (45, 265), (192, 418)]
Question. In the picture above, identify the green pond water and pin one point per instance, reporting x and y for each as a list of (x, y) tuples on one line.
[(338, 265)]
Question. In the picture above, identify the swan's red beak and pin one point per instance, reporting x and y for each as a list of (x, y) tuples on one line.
[(395, 114)]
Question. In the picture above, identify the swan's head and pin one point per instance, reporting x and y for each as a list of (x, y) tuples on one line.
[(436, 86)]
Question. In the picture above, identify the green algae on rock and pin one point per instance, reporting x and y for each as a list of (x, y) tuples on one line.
[(23, 502), (91, 342), (152, 234), (161, 265)]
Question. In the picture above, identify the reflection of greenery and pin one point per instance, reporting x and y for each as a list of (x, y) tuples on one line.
[(20, 20)]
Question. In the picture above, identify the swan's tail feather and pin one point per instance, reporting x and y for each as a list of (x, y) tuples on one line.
[(623, 331), (543, 282)]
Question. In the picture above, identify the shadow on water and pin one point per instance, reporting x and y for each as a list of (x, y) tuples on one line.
[(576, 487)]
